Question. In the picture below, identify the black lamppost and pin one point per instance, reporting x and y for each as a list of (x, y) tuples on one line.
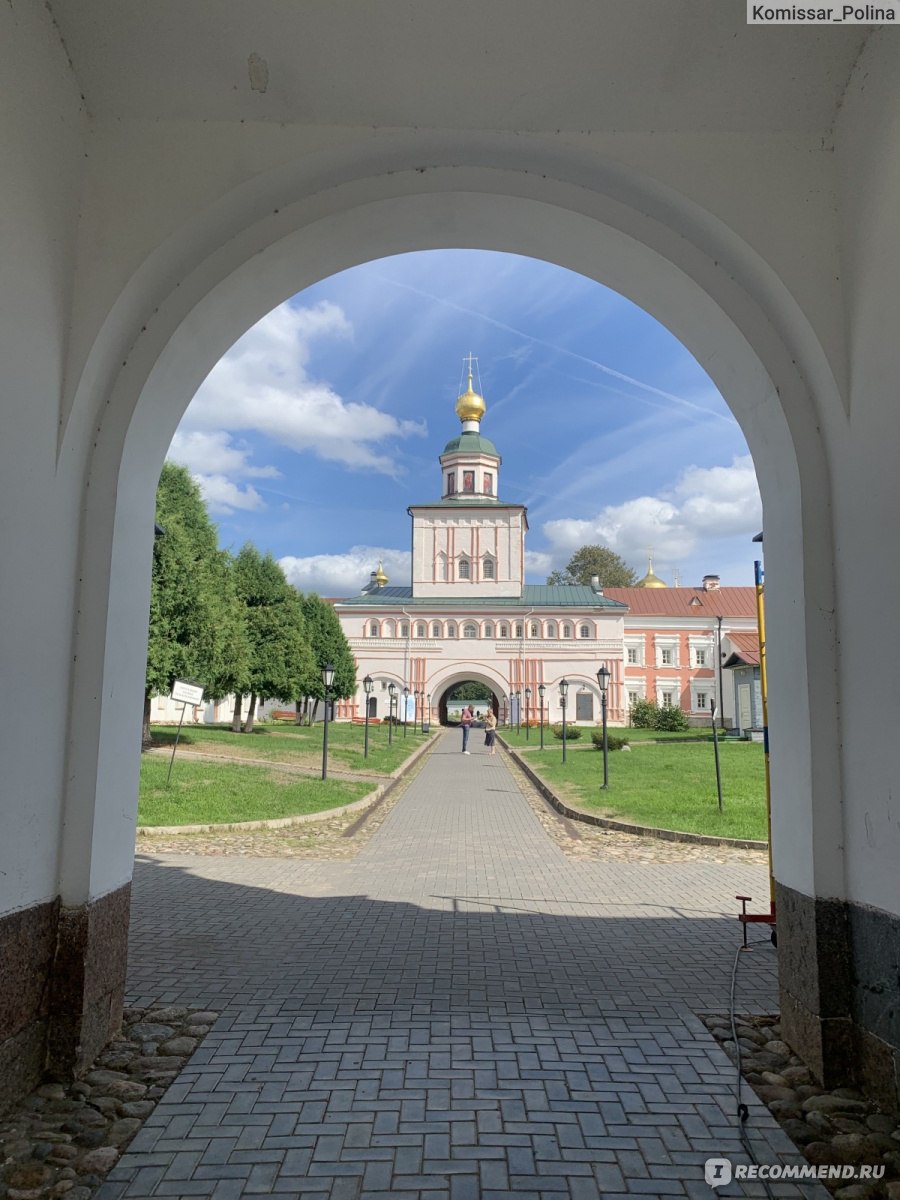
[(328, 680), (541, 690), (416, 696), (428, 702), (603, 681), (405, 708), (518, 711), (392, 691), (563, 692), (527, 706), (367, 688)]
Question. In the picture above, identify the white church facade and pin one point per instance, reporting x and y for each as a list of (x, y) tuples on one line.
[(468, 615)]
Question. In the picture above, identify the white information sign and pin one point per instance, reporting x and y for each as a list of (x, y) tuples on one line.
[(187, 693)]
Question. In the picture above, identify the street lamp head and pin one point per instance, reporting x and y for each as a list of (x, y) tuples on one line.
[(328, 675), (541, 690), (368, 684), (603, 678), (392, 687), (563, 688), (405, 693), (528, 693)]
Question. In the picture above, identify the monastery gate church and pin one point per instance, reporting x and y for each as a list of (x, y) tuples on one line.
[(172, 172), (469, 615)]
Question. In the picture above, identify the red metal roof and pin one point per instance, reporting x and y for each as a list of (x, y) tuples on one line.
[(677, 602), (746, 649)]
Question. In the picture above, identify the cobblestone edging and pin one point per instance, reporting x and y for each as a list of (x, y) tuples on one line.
[(837, 1128), (579, 814), (63, 1139), (370, 799)]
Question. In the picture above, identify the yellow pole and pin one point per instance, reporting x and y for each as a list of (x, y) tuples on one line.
[(763, 686)]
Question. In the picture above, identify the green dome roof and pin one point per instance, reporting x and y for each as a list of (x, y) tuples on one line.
[(471, 443)]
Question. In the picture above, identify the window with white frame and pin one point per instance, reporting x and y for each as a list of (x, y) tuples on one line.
[(584, 631), (373, 629), (701, 651), (451, 629), (435, 629), (487, 567), (464, 569), (699, 657), (701, 701), (421, 630), (631, 655), (470, 631), (503, 631), (634, 651), (567, 631), (534, 631), (519, 628), (404, 629), (551, 629), (667, 651), (667, 698), (488, 630)]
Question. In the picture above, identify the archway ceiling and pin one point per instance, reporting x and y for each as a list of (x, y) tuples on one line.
[(525, 65)]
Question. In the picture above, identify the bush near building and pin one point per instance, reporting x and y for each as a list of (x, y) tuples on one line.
[(573, 732), (668, 718), (613, 741)]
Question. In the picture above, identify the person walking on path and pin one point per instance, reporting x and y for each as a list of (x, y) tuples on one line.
[(466, 721), (490, 731)]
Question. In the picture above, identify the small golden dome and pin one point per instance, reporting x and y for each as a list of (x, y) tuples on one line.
[(650, 580), (379, 576), (470, 406)]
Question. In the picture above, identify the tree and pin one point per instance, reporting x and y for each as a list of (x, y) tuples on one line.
[(280, 656), (589, 561), (328, 644), (470, 690), (195, 627)]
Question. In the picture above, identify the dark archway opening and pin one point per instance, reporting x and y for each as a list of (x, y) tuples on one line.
[(470, 691)]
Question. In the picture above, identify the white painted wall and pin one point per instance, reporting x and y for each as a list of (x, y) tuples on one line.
[(188, 230)]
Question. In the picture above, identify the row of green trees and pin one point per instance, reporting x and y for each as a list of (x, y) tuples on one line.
[(232, 623)]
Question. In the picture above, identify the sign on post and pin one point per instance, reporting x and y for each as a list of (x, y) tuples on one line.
[(185, 693)]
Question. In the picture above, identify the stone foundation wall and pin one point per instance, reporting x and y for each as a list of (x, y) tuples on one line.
[(839, 976), (61, 989)]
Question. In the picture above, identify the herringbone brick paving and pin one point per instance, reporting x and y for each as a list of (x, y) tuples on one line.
[(460, 1011)]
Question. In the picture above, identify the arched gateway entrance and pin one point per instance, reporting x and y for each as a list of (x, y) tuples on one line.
[(186, 277)]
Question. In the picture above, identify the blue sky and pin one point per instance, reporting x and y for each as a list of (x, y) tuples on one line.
[(322, 424)]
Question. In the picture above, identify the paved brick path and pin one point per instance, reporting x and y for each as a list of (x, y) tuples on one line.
[(460, 1011)]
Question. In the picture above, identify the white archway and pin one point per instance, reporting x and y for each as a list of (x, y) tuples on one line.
[(737, 320)]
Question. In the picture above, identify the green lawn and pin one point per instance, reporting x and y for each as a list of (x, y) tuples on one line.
[(215, 793), (518, 738), (666, 786), (301, 745)]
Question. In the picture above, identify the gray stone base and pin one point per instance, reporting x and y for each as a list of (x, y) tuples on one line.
[(839, 975), (62, 1001)]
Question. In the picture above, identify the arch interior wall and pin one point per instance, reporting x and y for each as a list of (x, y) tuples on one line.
[(149, 222)]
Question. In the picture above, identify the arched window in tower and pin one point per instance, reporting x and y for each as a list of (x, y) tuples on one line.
[(421, 629), (468, 481), (470, 631), (451, 483), (435, 629), (465, 569), (441, 567), (487, 568), (488, 484)]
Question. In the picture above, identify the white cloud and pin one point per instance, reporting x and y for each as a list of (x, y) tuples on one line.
[(538, 562), (705, 504), (223, 496), (346, 574), (262, 386), (214, 453)]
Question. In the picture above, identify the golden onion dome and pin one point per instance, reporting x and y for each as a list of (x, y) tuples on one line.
[(470, 406), (650, 580), (379, 576)]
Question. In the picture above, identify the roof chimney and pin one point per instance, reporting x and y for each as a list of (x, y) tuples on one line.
[(710, 583), (595, 585)]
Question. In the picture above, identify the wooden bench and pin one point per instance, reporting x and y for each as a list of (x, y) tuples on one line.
[(283, 714)]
